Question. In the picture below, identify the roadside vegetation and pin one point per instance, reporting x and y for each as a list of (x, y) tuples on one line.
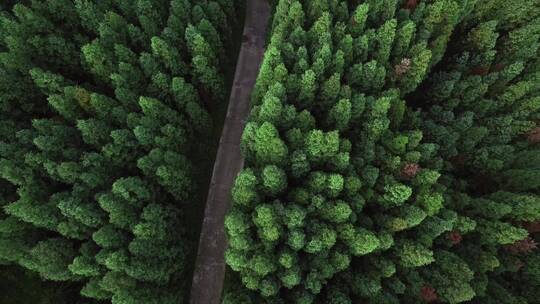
[(391, 154)]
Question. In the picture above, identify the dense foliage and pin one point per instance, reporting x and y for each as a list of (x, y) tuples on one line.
[(391, 155), (100, 103)]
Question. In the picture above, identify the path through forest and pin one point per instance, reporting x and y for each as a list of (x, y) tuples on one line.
[(210, 265)]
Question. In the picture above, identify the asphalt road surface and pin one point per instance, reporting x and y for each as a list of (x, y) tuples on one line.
[(210, 265)]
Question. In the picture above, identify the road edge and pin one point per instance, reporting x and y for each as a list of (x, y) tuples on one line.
[(207, 284)]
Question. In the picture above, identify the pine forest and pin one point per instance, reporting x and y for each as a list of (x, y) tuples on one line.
[(269, 151)]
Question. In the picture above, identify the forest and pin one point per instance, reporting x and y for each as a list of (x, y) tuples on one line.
[(389, 151)]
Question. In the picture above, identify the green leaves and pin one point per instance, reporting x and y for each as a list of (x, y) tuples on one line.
[(307, 86), (390, 156), (107, 110), (51, 258), (395, 195), (363, 242), (321, 146), (420, 61), (495, 232), (414, 255), (322, 239), (98, 59), (244, 190), (267, 145), (274, 180), (359, 18), (364, 154), (271, 110), (360, 241), (170, 56), (340, 114), (266, 220)]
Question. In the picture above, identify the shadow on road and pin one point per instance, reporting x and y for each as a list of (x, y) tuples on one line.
[(210, 265)]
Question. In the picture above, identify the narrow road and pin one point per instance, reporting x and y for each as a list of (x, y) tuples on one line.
[(210, 265)]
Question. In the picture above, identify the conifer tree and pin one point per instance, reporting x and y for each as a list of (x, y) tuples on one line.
[(414, 179), (99, 106), (391, 153)]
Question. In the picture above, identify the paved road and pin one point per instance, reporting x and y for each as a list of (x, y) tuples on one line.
[(210, 265)]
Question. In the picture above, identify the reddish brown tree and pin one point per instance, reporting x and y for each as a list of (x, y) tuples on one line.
[(403, 67), (522, 247), (411, 4), (410, 170), (459, 161), (498, 67), (428, 294), (454, 237), (533, 136), (481, 71), (532, 227)]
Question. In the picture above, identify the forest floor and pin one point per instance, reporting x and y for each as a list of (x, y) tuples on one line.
[(209, 272)]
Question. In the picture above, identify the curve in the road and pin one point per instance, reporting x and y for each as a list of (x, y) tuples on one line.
[(209, 272)]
